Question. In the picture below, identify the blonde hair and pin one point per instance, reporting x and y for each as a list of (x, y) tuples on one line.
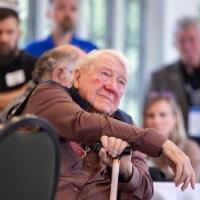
[(178, 134)]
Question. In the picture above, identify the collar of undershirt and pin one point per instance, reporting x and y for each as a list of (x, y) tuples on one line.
[(85, 105)]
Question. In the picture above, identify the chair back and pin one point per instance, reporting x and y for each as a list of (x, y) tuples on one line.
[(29, 160)]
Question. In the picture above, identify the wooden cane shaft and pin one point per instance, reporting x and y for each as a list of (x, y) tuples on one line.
[(114, 180)]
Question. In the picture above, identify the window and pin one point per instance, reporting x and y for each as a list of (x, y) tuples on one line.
[(133, 99), (92, 23), (118, 24), (23, 14), (113, 24)]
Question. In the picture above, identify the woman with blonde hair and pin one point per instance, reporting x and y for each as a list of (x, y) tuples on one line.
[(162, 112)]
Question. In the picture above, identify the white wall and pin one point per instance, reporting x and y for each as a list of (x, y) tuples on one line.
[(161, 16), (160, 19), (153, 35), (174, 9)]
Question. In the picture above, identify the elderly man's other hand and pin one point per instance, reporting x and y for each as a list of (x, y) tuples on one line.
[(180, 164), (112, 147)]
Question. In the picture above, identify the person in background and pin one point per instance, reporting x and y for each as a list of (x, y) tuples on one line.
[(162, 112), (182, 78), (15, 65), (63, 14), (88, 113), (56, 64)]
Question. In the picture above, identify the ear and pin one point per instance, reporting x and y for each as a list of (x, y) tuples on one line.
[(76, 78), (57, 74)]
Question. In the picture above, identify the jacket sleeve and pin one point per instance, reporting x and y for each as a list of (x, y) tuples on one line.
[(140, 186), (51, 101), (154, 82)]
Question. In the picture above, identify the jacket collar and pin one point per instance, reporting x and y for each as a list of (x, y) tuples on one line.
[(85, 105)]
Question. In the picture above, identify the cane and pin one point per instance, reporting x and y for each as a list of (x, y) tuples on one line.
[(115, 173)]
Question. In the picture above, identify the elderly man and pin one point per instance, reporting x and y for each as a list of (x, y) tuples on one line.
[(63, 13), (87, 113), (182, 78), (15, 65)]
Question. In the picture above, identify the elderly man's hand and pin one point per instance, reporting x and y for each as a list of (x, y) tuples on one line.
[(112, 147), (180, 164)]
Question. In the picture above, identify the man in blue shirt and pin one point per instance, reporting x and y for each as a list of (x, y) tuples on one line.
[(63, 13)]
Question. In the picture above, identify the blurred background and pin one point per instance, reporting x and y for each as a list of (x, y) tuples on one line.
[(141, 29)]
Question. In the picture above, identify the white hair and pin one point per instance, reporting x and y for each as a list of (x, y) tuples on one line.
[(93, 55)]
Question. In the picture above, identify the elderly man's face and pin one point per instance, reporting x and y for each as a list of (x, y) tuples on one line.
[(64, 14), (188, 44), (102, 84), (9, 35)]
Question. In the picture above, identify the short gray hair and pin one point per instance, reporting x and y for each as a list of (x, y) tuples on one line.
[(186, 22), (67, 54), (93, 55)]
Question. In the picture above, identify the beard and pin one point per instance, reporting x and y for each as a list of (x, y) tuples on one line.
[(7, 53), (66, 25)]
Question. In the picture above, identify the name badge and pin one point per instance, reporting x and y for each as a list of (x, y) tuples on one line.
[(15, 78), (194, 121)]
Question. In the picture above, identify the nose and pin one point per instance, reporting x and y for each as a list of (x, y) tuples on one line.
[(68, 11), (156, 121), (187, 45), (111, 85)]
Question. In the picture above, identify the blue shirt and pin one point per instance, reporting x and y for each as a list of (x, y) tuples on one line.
[(38, 47)]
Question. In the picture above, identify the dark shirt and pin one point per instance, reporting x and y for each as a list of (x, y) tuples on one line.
[(191, 84), (193, 79), (16, 72)]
